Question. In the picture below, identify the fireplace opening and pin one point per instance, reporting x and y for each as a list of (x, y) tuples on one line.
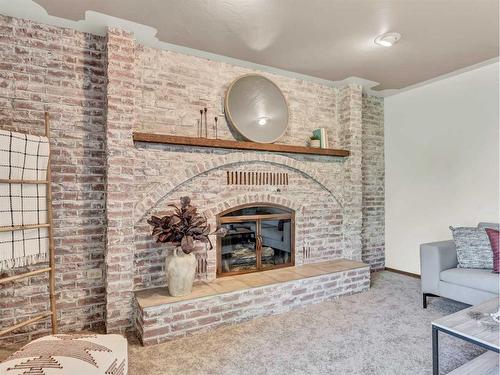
[(259, 237)]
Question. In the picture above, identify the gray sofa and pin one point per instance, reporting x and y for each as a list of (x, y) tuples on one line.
[(441, 278)]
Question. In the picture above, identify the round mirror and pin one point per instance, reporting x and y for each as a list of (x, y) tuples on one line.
[(256, 108)]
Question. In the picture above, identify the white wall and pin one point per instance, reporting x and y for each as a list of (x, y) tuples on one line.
[(442, 161)]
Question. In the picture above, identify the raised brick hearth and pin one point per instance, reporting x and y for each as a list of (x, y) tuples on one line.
[(230, 300)]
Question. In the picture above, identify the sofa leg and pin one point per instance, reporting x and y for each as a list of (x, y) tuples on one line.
[(424, 298)]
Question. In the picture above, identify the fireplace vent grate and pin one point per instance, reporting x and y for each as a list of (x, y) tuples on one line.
[(307, 252), (256, 178), (202, 264)]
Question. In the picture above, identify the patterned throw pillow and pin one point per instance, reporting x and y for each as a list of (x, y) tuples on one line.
[(473, 247), (494, 240)]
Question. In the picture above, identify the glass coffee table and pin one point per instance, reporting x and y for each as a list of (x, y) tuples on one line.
[(474, 325)]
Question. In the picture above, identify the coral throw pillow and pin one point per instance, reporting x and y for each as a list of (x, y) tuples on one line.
[(494, 240)]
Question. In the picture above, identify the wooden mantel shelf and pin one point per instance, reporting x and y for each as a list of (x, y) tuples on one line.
[(236, 145)]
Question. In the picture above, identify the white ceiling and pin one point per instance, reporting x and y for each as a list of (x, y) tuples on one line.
[(328, 39)]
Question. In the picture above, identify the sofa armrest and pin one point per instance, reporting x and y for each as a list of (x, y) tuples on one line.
[(434, 258)]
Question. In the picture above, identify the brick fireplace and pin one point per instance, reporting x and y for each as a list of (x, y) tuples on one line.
[(337, 203), (326, 227), (319, 224), (147, 89)]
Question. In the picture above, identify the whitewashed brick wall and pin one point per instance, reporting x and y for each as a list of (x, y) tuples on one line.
[(45, 68), (174, 87), (373, 168)]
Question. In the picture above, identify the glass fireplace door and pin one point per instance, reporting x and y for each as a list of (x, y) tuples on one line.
[(258, 238), (275, 243), (238, 248)]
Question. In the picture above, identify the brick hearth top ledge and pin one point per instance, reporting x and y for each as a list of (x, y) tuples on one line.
[(159, 296)]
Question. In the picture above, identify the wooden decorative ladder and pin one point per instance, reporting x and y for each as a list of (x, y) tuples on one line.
[(51, 268)]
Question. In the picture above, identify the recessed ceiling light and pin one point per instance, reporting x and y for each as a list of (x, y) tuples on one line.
[(387, 39)]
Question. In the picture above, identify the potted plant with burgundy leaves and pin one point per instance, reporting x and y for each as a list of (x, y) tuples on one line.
[(183, 227)]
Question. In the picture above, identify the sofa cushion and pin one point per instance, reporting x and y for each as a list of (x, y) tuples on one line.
[(494, 235), (472, 278), (473, 247)]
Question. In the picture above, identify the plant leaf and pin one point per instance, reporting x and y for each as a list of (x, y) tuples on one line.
[(187, 244)]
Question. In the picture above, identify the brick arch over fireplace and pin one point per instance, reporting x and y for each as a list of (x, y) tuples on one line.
[(149, 257), (254, 198), (162, 190)]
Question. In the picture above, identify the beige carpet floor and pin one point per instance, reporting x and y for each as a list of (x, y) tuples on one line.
[(383, 331)]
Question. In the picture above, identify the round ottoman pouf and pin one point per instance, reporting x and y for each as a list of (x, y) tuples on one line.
[(85, 354)]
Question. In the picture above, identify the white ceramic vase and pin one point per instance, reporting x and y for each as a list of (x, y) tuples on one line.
[(181, 270)]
